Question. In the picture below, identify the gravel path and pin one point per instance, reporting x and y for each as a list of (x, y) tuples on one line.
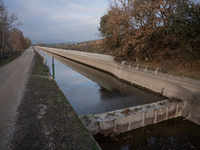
[(13, 78)]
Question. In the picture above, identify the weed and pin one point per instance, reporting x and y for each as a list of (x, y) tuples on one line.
[(39, 68)]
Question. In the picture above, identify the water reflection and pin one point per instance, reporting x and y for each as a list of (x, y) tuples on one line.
[(90, 91), (107, 95)]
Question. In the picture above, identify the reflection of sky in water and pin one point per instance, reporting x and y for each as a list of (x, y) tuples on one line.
[(87, 97), (79, 90)]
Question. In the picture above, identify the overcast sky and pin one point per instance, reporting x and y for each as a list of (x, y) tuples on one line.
[(68, 20)]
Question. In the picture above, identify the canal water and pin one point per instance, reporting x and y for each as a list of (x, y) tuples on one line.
[(90, 91), (177, 134)]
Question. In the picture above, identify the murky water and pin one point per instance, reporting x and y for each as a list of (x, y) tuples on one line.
[(90, 91), (175, 133)]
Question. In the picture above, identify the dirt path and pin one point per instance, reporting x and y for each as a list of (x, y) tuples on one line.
[(13, 78)]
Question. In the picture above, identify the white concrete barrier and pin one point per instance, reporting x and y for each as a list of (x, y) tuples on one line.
[(118, 121), (44, 58)]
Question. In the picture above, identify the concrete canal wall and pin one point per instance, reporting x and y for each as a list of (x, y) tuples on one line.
[(114, 122), (118, 121), (106, 63)]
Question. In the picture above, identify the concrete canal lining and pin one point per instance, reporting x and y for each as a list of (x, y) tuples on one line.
[(118, 121), (91, 91), (106, 63), (145, 80)]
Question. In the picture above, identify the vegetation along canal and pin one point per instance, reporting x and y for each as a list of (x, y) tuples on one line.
[(90, 91)]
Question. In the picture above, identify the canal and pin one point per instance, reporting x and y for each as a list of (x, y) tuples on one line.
[(90, 91)]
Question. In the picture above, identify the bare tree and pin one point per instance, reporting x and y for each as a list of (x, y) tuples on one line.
[(7, 21), (17, 40)]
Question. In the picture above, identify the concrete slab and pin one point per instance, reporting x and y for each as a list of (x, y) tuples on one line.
[(118, 121), (90, 123)]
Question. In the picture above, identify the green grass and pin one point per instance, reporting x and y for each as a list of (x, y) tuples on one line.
[(39, 68)]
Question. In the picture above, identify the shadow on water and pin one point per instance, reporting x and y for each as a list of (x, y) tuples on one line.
[(175, 133), (90, 91), (108, 95)]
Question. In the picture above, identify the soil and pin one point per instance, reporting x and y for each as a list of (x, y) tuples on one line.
[(45, 119)]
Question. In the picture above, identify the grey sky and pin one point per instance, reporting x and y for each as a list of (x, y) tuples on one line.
[(68, 20)]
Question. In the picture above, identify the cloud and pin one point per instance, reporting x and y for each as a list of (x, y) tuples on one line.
[(70, 20)]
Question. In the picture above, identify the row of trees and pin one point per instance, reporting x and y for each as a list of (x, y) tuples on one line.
[(11, 38), (152, 28), (40, 44)]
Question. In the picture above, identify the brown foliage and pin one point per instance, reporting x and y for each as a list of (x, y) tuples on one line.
[(17, 40), (138, 28), (95, 46), (145, 29), (11, 38), (28, 41)]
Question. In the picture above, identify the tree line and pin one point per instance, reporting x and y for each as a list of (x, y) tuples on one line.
[(156, 30), (11, 38)]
